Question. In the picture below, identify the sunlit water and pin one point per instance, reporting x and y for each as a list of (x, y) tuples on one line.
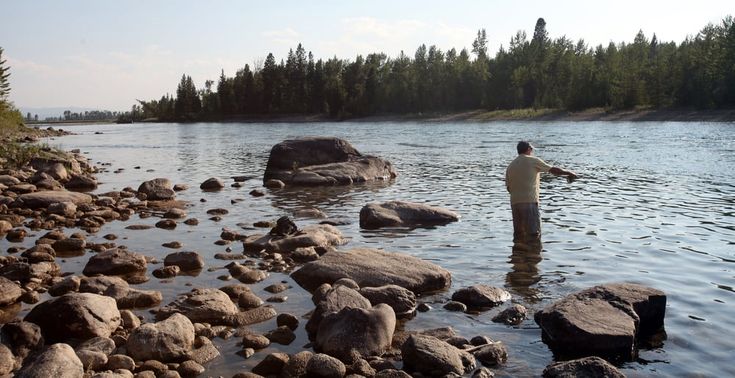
[(655, 204)]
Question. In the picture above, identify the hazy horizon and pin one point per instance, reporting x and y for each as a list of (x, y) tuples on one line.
[(103, 55)]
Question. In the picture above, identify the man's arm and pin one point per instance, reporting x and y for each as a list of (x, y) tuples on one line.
[(562, 172)]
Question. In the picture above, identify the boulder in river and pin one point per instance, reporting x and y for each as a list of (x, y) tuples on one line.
[(373, 267), (171, 339), (402, 300), (186, 261), (334, 300), (583, 367), (42, 200), (321, 235), (404, 214), (212, 183), (431, 356), (321, 161), (77, 316), (116, 262), (481, 296), (159, 189), (603, 320), (366, 331)]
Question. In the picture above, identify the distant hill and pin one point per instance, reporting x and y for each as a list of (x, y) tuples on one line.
[(53, 111)]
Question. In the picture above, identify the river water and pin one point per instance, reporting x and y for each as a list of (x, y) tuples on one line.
[(654, 204)]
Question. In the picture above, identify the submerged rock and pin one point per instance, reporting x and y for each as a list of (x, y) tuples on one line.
[(404, 214), (323, 161), (372, 267)]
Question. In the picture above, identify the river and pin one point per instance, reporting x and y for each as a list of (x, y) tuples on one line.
[(654, 204)]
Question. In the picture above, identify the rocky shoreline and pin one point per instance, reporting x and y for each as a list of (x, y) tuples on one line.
[(90, 324)]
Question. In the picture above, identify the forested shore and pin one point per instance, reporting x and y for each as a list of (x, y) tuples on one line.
[(537, 73)]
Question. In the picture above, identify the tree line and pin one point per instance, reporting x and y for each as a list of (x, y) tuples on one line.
[(539, 72)]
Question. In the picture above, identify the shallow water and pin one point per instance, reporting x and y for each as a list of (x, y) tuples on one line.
[(655, 204)]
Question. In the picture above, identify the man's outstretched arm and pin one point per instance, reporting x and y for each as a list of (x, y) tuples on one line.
[(562, 172)]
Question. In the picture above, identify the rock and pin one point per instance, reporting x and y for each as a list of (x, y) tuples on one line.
[(180, 187), (16, 235), (166, 224), (76, 315), (245, 274), (333, 301), (431, 356), (67, 209), (69, 247), (7, 360), (603, 320), (584, 367), (392, 373), (310, 213), (254, 341), (8, 180), (513, 315), (58, 360), (403, 214), (174, 213), (274, 184), (116, 262), (168, 340), (67, 285), (212, 183), (367, 331), (202, 305), (120, 361), (23, 188), (403, 301), (42, 200), (481, 296), (204, 352), (10, 292), (480, 340), (296, 366), (276, 288), (157, 189), (303, 255), (187, 261), (281, 335), (81, 183), (323, 161), (455, 306), (5, 226), (272, 364), (173, 244), (92, 360), (190, 369), (492, 354), (166, 272), (372, 267), (322, 365), (104, 345), (483, 372), (22, 338), (249, 301), (310, 236), (191, 222), (129, 320), (288, 320)]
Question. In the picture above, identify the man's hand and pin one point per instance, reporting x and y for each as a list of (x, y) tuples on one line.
[(571, 177)]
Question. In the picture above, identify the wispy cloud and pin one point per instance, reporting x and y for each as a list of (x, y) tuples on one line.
[(285, 36)]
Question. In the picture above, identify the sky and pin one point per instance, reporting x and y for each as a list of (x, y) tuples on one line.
[(106, 54)]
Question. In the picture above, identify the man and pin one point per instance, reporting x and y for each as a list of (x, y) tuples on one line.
[(522, 182)]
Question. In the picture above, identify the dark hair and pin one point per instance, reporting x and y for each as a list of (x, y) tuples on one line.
[(523, 146)]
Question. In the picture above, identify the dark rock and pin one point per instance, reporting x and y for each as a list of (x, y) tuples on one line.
[(481, 296), (431, 356), (16, 235), (512, 315), (480, 340), (22, 337), (58, 360), (322, 365), (257, 193), (67, 285), (323, 161), (69, 247), (296, 366), (191, 222), (174, 213), (158, 189), (166, 224), (255, 341), (180, 187), (367, 331), (91, 360), (272, 364), (187, 261), (310, 236), (392, 373), (7, 360), (168, 340), (403, 301), (288, 320), (372, 267), (483, 372), (333, 301), (584, 367), (120, 361), (212, 183), (173, 245), (274, 184), (403, 214), (166, 272), (281, 335), (81, 183), (455, 306), (492, 354), (76, 315), (190, 369), (202, 305), (116, 262), (10, 292)]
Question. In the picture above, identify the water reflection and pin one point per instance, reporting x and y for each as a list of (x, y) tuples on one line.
[(524, 272)]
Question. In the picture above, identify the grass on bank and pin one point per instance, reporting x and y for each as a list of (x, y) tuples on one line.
[(15, 152)]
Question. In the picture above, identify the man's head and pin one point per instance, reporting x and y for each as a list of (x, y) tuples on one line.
[(524, 148)]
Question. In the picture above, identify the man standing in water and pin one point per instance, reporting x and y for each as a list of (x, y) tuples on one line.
[(522, 182)]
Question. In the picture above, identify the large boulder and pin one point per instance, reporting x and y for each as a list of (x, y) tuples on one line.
[(320, 235), (603, 320), (373, 267), (116, 262), (323, 161), (168, 340), (186, 261), (23, 338), (583, 367), (334, 300), (42, 200), (159, 189), (120, 290), (404, 214), (402, 300), (77, 316), (202, 305), (10, 292), (430, 356), (481, 296), (58, 360), (366, 331)]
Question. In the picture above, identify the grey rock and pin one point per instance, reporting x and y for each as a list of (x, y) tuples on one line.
[(116, 262), (58, 360), (23, 338), (584, 367), (320, 235), (120, 361), (366, 331), (187, 261), (168, 340), (281, 335), (431, 356), (42, 200), (403, 214), (492, 354), (322, 365), (272, 364), (481, 296), (403, 301), (513, 315), (333, 301), (202, 305), (296, 366), (159, 189)]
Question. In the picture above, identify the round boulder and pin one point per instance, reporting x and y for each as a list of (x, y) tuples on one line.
[(367, 331), (186, 261), (58, 360), (168, 340), (159, 189), (76, 315), (481, 296), (212, 183)]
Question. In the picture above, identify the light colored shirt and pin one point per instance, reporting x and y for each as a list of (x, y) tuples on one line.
[(522, 178)]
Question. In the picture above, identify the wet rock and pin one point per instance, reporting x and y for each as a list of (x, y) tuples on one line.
[(481, 296), (138, 227), (180, 187), (92, 360), (10, 292), (281, 335), (455, 306), (187, 261), (322, 365), (67, 209), (296, 366), (334, 300), (480, 340), (512, 315), (16, 235), (58, 360), (367, 331), (323, 161), (272, 364), (403, 214), (202, 305), (403, 301), (191, 222), (166, 272), (67, 285), (309, 213), (255, 341), (174, 213), (604, 320), (190, 369), (129, 320), (166, 224), (287, 320), (372, 267), (249, 301), (44, 199), (276, 288), (69, 247), (310, 236), (118, 289), (81, 183), (23, 338), (257, 193), (483, 372), (173, 245), (584, 367), (212, 183), (116, 262), (76, 315), (492, 354), (19, 271), (245, 274), (274, 184), (431, 356), (120, 361), (158, 189), (168, 340)]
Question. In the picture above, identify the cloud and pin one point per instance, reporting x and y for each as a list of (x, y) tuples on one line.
[(368, 26), (285, 36)]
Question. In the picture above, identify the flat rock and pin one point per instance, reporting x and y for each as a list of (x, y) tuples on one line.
[(58, 360), (431, 356), (187, 261), (603, 320), (404, 214), (402, 300), (366, 331), (76, 315), (372, 267), (310, 236), (42, 200), (481, 296), (10, 292), (168, 340), (323, 161), (116, 262), (211, 306), (583, 367)]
